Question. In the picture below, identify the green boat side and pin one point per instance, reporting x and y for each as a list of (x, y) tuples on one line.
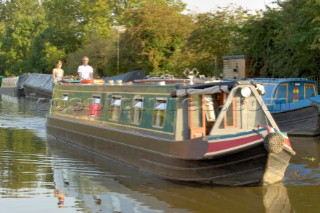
[(80, 98)]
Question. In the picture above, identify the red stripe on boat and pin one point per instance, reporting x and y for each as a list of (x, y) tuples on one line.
[(287, 142), (270, 129), (219, 146)]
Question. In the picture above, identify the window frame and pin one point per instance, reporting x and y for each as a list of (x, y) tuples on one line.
[(112, 104), (287, 91), (305, 89), (156, 110), (136, 109)]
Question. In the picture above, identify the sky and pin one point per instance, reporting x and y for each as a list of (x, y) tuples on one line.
[(209, 5)]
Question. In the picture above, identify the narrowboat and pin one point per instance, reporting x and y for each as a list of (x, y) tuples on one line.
[(38, 86), (218, 133), (13, 86), (294, 104)]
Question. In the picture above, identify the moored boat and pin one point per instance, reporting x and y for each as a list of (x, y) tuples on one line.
[(294, 104), (38, 86), (217, 133)]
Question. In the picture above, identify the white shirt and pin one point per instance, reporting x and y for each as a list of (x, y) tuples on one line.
[(85, 71)]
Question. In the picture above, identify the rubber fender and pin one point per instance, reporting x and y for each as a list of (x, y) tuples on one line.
[(274, 143)]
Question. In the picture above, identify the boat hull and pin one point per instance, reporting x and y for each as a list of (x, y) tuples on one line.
[(304, 121), (251, 166)]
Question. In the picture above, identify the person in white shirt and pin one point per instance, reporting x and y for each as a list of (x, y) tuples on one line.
[(85, 71)]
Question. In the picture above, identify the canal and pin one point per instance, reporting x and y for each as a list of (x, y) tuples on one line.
[(39, 174)]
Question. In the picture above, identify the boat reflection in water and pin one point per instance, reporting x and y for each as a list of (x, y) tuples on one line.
[(303, 175), (105, 185), (305, 167)]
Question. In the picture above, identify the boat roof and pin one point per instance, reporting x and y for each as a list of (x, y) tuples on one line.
[(185, 83), (280, 80), (126, 77)]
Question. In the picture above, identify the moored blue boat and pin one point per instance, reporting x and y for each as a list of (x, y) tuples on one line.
[(294, 104)]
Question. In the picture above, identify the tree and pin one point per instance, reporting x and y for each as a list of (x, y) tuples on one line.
[(70, 26), (121, 8), (101, 51), (286, 45), (22, 20), (217, 34), (155, 35)]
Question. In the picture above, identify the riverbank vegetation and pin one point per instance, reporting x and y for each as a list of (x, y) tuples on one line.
[(157, 36)]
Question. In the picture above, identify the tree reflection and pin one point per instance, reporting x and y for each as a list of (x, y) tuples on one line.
[(23, 161)]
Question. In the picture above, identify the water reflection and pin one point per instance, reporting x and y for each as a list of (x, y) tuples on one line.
[(305, 165), (105, 185), (22, 164), (42, 175), (23, 114)]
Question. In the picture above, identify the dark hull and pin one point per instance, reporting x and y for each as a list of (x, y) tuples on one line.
[(12, 91), (304, 121), (36, 93), (252, 166)]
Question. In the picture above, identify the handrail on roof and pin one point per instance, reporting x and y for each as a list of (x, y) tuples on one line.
[(278, 79)]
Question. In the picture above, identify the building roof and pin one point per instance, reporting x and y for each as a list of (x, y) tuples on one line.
[(235, 57)]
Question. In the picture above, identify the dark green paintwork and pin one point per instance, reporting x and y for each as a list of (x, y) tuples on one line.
[(84, 94)]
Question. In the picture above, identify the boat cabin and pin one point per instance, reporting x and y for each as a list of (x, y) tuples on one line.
[(170, 109), (288, 93)]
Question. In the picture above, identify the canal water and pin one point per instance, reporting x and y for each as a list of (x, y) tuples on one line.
[(39, 174)]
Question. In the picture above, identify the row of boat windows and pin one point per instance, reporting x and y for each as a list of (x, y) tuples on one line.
[(159, 110), (298, 92)]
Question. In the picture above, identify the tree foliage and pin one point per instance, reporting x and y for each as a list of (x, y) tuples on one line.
[(155, 36), (159, 37), (21, 21), (218, 33), (286, 45)]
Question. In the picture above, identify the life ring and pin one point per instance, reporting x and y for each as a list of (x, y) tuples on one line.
[(86, 81), (274, 142)]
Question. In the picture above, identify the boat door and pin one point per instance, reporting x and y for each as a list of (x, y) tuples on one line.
[(196, 117)]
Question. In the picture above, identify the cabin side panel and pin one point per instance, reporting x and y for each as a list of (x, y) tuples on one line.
[(152, 113)]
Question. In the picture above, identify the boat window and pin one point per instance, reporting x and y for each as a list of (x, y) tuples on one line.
[(231, 116), (65, 96), (209, 108), (309, 90), (137, 109), (96, 99), (282, 93), (95, 106), (115, 108), (269, 92), (159, 112)]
